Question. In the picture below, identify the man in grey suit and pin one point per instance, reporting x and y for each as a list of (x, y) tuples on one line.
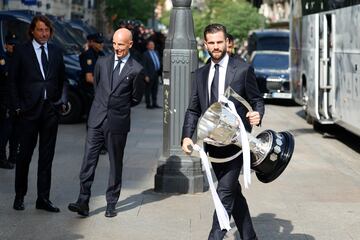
[(119, 84)]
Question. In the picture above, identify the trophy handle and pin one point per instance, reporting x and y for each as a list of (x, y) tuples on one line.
[(229, 92)]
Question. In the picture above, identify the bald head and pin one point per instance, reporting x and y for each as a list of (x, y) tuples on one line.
[(122, 42)]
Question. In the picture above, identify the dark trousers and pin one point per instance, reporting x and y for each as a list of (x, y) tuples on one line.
[(115, 144), (151, 91), (8, 134), (45, 126), (229, 191)]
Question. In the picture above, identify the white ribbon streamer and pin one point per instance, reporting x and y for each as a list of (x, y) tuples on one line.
[(244, 142), (221, 213)]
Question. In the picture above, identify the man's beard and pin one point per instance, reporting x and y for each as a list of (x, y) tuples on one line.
[(223, 52)]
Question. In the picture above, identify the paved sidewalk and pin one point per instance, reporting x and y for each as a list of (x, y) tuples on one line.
[(318, 197)]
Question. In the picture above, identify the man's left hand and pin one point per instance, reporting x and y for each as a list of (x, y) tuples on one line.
[(253, 117)]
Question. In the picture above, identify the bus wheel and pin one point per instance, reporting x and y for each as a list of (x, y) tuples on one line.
[(309, 119)]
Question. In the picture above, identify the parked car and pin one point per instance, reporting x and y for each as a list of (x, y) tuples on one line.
[(272, 73), (79, 100), (268, 40)]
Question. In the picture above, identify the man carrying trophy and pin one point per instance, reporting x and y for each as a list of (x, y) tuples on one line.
[(210, 83)]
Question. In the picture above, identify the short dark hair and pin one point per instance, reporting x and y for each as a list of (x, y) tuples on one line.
[(230, 37), (40, 18), (214, 28)]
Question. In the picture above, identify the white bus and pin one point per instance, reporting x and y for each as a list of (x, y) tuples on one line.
[(325, 60)]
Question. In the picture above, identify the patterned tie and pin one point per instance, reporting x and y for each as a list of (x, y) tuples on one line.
[(215, 86), (44, 60), (115, 73)]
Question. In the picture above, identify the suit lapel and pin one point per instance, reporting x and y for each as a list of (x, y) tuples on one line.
[(230, 72), (204, 90), (50, 58), (110, 69), (33, 56)]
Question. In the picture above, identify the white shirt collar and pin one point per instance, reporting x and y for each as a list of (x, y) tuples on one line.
[(124, 59), (37, 45), (223, 62)]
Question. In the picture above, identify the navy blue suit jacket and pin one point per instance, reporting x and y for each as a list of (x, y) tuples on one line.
[(241, 77), (27, 84)]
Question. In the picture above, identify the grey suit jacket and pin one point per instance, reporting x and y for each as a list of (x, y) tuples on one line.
[(114, 104)]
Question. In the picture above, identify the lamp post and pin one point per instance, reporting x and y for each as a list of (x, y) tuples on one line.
[(178, 172)]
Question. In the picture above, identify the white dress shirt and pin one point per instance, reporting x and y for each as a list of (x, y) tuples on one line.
[(222, 74), (37, 49)]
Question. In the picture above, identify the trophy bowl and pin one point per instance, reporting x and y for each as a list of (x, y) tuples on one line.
[(270, 151)]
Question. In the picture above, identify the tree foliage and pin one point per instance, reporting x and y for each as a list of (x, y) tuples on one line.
[(117, 10), (238, 16)]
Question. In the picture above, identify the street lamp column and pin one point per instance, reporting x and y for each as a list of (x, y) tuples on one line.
[(178, 172)]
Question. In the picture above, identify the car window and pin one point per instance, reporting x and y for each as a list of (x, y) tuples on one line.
[(271, 61), (273, 43)]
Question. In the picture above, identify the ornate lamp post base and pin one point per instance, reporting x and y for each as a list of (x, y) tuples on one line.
[(177, 172)]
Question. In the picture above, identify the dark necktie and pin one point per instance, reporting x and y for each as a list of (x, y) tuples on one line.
[(116, 73), (214, 92), (44, 60)]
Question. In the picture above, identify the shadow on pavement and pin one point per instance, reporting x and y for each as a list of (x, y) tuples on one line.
[(68, 236), (136, 200), (268, 227)]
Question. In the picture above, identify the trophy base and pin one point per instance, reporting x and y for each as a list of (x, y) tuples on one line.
[(277, 158)]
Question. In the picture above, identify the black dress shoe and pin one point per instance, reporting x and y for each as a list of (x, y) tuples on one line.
[(110, 211), (149, 107), (46, 205), (19, 203), (81, 208), (156, 106)]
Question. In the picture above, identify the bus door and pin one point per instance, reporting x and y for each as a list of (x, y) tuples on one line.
[(325, 67)]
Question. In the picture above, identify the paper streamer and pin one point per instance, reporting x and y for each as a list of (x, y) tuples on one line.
[(221, 213)]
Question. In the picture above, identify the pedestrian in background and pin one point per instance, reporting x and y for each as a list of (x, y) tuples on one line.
[(152, 66), (119, 83), (89, 57), (210, 82), (36, 78), (7, 121)]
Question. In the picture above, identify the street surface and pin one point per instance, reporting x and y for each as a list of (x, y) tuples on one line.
[(317, 197)]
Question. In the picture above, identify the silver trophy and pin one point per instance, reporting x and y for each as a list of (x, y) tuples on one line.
[(270, 151)]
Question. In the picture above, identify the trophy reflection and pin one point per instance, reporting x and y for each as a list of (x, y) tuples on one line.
[(270, 151)]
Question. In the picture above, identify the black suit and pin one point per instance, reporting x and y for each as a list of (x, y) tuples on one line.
[(151, 87), (109, 122), (39, 114), (240, 76)]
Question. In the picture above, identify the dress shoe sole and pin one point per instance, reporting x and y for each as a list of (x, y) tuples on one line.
[(110, 215), (22, 208), (55, 210), (78, 211)]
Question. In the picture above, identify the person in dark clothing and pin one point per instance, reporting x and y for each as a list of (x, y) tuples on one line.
[(7, 122), (210, 83), (88, 60), (152, 67), (118, 80), (36, 79)]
